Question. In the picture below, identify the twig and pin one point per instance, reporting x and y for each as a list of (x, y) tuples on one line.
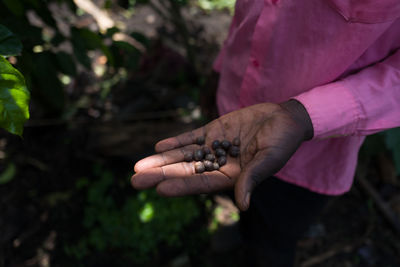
[(181, 25), (130, 40), (176, 18), (329, 254), (158, 10), (103, 20), (380, 203)]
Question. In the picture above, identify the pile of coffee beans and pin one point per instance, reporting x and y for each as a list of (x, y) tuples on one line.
[(212, 159)]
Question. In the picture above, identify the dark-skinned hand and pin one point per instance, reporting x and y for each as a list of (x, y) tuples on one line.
[(269, 135)]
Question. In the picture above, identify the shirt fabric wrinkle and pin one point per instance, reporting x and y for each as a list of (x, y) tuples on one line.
[(341, 61)]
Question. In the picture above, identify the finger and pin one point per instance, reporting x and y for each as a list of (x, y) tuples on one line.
[(263, 165), (197, 184), (181, 140), (163, 158), (151, 177)]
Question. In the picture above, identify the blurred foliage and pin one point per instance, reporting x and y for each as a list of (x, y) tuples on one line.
[(217, 4), (134, 226), (9, 43), (204, 4), (44, 56), (392, 141), (60, 55), (8, 174), (14, 96), (383, 142), (50, 67)]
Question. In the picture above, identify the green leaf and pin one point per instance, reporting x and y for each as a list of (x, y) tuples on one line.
[(90, 40), (47, 85), (392, 138), (147, 213), (14, 98), (8, 174), (128, 56), (216, 4), (66, 63), (15, 6), (9, 43), (80, 53), (111, 31), (141, 38)]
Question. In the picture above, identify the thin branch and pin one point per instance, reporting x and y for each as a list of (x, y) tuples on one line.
[(158, 10), (383, 207), (330, 253)]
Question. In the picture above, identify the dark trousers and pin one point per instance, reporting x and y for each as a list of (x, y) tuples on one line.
[(278, 216)]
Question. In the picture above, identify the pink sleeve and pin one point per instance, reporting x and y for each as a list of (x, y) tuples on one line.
[(360, 104)]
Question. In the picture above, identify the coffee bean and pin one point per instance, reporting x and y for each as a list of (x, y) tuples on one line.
[(216, 166), (222, 161), (225, 144), (200, 140), (199, 167), (234, 151), (206, 150), (198, 155), (236, 141), (208, 165), (219, 152), (216, 144), (210, 157), (188, 156)]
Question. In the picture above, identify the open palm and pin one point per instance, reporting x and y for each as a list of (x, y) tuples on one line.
[(269, 135)]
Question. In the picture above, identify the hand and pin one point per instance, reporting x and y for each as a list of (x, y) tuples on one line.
[(269, 135)]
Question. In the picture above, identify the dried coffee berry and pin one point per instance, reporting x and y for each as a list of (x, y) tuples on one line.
[(236, 141), (225, 144), (219, 152), (199, 167), (216, 144), (200, 140), (210, 157), (198, 155), (234, 151), (206, 150), (208, 165), (188, 156), (222, 161), (216, 166)]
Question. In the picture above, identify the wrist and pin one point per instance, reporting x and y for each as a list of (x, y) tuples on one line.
[(300, 115)]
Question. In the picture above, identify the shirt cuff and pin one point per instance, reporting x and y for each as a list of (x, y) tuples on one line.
[(333, 110)]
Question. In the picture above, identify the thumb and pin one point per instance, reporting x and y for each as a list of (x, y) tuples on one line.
[(262, 166)]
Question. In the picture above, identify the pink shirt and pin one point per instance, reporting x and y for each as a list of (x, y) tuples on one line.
[(339, 58)]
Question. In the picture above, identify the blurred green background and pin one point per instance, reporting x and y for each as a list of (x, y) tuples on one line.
[(107, 80)]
